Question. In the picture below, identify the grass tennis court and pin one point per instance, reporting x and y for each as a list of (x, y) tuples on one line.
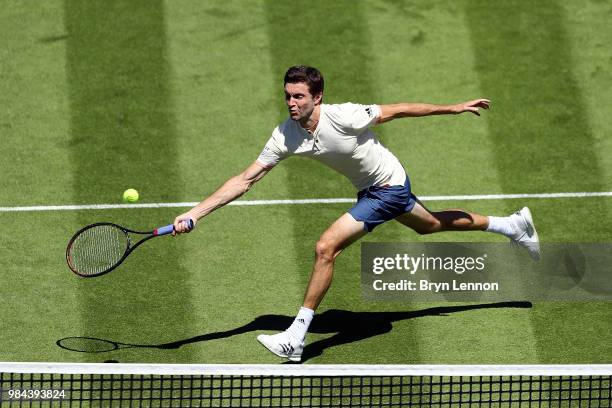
[(172, 98)]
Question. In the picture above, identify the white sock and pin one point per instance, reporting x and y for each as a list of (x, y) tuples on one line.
[(299, 327), (501, 225)]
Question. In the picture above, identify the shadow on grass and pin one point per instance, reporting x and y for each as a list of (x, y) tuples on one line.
[(345, 327)]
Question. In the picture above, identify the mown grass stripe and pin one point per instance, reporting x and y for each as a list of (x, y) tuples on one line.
[(123, 134), (331, 36), (538, 123), (334, 37), (540, 130)]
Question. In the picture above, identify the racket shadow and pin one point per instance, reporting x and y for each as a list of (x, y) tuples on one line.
[(345, 327)]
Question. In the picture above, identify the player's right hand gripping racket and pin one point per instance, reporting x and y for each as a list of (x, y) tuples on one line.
[(99, 248)]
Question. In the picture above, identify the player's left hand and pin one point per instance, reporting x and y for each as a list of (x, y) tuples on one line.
[(474, 106)]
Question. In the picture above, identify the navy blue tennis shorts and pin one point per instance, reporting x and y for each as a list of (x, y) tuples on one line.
[(379, 204)]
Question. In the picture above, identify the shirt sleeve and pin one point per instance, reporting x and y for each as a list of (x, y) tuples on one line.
[(357, 118), (274, 151)]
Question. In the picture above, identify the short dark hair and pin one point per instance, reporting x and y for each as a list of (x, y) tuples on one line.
[(308, 75)]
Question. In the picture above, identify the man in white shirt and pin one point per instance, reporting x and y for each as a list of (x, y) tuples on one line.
[(339, 136)]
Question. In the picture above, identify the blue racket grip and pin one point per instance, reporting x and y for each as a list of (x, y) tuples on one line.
[(168, 229)]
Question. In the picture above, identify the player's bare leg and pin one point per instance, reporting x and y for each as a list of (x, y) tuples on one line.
[(342, 233), (519, 227), (424, 221)]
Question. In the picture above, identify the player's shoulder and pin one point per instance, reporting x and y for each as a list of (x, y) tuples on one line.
[(349, 112), (338, 108), (285, 129), (286, 134), (348, 108)]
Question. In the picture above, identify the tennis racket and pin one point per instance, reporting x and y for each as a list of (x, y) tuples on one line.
[(99, 248)]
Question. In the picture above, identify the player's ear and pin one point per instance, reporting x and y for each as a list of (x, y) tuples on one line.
[(318, 98)]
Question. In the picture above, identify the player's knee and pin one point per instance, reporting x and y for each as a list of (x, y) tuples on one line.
[(325, 249)]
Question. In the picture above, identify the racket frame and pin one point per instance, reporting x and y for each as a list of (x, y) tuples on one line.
[(128, 249)]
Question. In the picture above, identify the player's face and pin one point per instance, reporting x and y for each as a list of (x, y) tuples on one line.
[(300, 101)]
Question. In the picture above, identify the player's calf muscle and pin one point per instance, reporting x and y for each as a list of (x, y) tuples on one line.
[(429, 228), (459, 220)]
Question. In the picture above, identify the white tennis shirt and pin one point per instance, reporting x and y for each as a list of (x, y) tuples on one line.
[(342, 141)]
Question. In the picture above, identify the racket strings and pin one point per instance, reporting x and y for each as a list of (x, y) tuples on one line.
[(98, 249)]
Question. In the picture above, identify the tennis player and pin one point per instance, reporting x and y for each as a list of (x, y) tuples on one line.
[(339, 136)]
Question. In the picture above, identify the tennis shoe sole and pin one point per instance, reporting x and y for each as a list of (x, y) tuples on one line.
[(526, 234), (283, 345)]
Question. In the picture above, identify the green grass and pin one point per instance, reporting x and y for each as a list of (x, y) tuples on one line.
[(172, 98)]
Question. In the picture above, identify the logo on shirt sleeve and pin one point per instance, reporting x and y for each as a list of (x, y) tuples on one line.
[(369, 111)]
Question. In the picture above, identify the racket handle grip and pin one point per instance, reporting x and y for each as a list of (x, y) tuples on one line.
[(168, 229)]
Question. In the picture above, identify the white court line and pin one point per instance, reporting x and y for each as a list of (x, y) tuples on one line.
[(305, 201)]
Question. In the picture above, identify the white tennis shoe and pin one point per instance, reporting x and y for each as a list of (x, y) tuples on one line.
[(525, 232), (283, 345)]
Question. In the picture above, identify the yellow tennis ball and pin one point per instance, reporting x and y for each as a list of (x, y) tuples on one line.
[(130, 195)]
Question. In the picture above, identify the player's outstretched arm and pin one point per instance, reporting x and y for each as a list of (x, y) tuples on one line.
[(228, 192), (404, 110)]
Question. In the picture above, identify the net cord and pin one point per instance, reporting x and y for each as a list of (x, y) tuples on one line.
[(309, 370)]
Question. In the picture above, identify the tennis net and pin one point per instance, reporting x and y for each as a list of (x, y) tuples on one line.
[(137, 385)]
